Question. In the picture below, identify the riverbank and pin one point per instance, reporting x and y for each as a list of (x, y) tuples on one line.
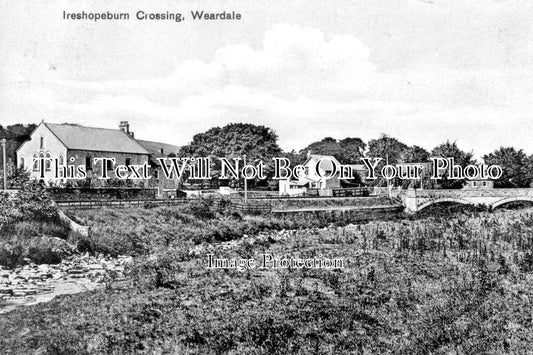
[(31, 284), (452, 284)]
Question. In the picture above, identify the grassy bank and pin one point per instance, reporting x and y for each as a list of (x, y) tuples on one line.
[(457, 284), (30, 229)]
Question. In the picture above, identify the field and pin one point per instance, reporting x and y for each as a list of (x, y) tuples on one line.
[(458, 283)]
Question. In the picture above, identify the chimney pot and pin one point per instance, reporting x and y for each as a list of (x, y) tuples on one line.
[(124, 126)]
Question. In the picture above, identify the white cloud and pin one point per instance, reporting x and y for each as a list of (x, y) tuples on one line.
[(299, 82)]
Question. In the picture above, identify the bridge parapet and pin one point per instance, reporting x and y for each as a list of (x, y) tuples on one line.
[(415, 200)]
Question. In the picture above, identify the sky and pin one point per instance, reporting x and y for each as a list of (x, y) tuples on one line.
[(423, 71)]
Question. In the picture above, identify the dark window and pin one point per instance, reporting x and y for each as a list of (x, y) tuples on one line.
[(42, 143), (128, 161), (35, 162), (109, 165), (88, 163), (156, 174), (48, 163)]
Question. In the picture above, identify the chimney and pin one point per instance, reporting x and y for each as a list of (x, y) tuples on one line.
[(309, 153), (125, 127)]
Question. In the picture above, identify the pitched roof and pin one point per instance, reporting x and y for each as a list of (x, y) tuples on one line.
[(95, 139), (155, 148)]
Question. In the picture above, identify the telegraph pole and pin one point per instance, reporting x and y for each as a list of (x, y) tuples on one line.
[(3, 142), (245, 183), (388, 180)]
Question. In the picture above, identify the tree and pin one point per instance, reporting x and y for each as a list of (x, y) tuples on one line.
[(15, 135), (233, 141), (386, 146), (259, 143), (415, 154), (346, 151), (451, 150), (354, 149), (515, 166)]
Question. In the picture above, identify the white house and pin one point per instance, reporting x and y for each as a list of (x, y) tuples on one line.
[(318, 169)]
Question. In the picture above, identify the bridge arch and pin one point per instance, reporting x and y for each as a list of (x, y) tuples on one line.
[(443, 200), (512, 199)]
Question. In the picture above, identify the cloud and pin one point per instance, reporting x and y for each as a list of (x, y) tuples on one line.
[(296, 80)]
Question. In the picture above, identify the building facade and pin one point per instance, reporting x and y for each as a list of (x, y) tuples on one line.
[(75, 145)]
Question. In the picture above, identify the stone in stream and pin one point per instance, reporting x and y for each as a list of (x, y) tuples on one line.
[(95, 267), (6, 291), (76, 271)]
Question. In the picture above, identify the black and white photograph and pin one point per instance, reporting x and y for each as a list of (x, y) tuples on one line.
[(266, 177)]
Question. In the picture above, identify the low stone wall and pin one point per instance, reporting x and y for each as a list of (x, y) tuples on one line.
[(110, 193)]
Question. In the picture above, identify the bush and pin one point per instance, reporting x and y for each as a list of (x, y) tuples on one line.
[(162, 269), (39, 249)]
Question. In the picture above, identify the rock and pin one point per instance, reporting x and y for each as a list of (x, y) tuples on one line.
[(6, 291), (19, 293), (77, 276), (95, 267)]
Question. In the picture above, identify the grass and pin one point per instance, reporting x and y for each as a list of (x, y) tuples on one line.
[(461, 283), (39, 241), (138, 231)]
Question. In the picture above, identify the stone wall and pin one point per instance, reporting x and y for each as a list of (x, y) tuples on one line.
[(79, 157)]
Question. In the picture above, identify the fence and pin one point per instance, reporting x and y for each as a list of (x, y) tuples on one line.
[(92, 204), (95, 204), (310, 193), (250, 208), (101, 193)]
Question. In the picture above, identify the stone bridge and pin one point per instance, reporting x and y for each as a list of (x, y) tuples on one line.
[(416, 200)]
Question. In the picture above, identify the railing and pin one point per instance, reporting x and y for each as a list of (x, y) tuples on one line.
[(95, 204), (464, 193), (248, 208), (92, 204), (314, 193), (351, 192)]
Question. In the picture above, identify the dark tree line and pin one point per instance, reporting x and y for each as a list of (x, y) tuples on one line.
[(260, 142), (15, 135)]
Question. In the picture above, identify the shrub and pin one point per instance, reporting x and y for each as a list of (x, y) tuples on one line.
[(202, 208), (160, 270)]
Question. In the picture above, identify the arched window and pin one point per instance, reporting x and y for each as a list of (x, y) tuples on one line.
[(61, 160), (48, 163), (41, 157), (35, 162), (21, 166), (42, 143)]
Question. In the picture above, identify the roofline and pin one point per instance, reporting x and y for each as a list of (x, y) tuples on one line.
[(55, 135), (144, 140), (92, 150), (77, 125), (20, 146), (108, 151)]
